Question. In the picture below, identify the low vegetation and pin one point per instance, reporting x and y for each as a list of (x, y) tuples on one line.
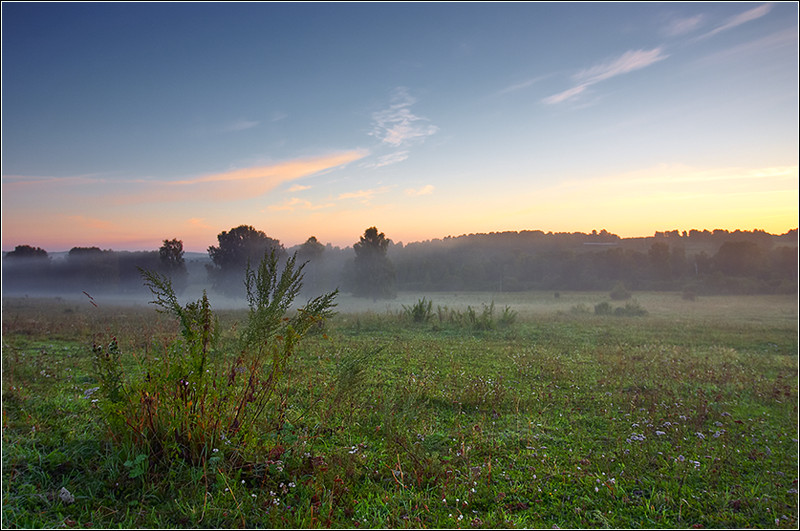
[(431, 415)]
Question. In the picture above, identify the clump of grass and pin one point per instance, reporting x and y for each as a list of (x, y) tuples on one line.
[(420, 312), (603, 308), (631, 309)]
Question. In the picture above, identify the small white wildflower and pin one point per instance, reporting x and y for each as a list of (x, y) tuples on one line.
[(66, 496), (660, 432)]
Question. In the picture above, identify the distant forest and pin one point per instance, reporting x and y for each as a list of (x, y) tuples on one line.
[(693, 262)]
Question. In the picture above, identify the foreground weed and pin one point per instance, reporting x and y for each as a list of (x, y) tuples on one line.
[(197, 399)]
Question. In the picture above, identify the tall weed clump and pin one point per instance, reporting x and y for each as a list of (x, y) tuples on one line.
[(420, 312), (195, 398)]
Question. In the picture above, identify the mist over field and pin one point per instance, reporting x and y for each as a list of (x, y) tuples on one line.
[(697, 262)]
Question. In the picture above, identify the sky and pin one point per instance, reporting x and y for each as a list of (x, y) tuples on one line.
[(125, 124)]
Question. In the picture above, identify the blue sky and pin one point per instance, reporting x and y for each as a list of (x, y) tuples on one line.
[(127, 124)]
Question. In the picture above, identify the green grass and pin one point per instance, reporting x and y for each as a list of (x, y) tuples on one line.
[(684, 417)]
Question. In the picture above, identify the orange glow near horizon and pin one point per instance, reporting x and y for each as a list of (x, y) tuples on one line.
[(635, 204)]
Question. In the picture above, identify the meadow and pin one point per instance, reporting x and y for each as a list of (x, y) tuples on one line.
[(442, 410)]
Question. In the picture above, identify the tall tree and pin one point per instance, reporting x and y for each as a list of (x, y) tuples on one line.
[(311, 250), (237, 248), (173, 265), (26, 268), (374, 272)]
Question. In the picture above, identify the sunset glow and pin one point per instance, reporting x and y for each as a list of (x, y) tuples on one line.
[(125, 124)]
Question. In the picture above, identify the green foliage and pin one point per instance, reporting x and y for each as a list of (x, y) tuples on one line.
[(195, 399), (507, 318), (603, 308), (137, 466), (673, 421), (475, 320), (108, 370), (631, 309), (420, 312)]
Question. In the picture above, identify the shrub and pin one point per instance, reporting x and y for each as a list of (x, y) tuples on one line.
[(420, 312), (507, 318), (194, 399), (603, 308), (631, 309)]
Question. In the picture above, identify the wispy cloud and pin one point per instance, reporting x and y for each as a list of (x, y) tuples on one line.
[(295, 203), (298, 188), (239, 125), (741, 18), (425, 190), (397, 125), (764, 45), (627, 62), (520, 86), (682, 26), (241, 183), (91, 223), (386, 160), (198, 222), (565, 95), (364, 195)]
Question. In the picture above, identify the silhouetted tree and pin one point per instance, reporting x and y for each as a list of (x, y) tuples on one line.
[(172, 263), (237, 248), (311, 250), (26, 251), (738, 258), (90, 268), (374, 272), (659, 259), (26, 268)]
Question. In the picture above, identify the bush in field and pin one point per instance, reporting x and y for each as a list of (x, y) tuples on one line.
[(420, 312), (631, 309), (604, 308), (507, 318), (473, 319), (195, 399)]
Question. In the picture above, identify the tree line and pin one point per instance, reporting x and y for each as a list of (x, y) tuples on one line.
[(702, 262)]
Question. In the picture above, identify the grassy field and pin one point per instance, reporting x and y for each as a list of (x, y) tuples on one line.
[(538, 413)]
